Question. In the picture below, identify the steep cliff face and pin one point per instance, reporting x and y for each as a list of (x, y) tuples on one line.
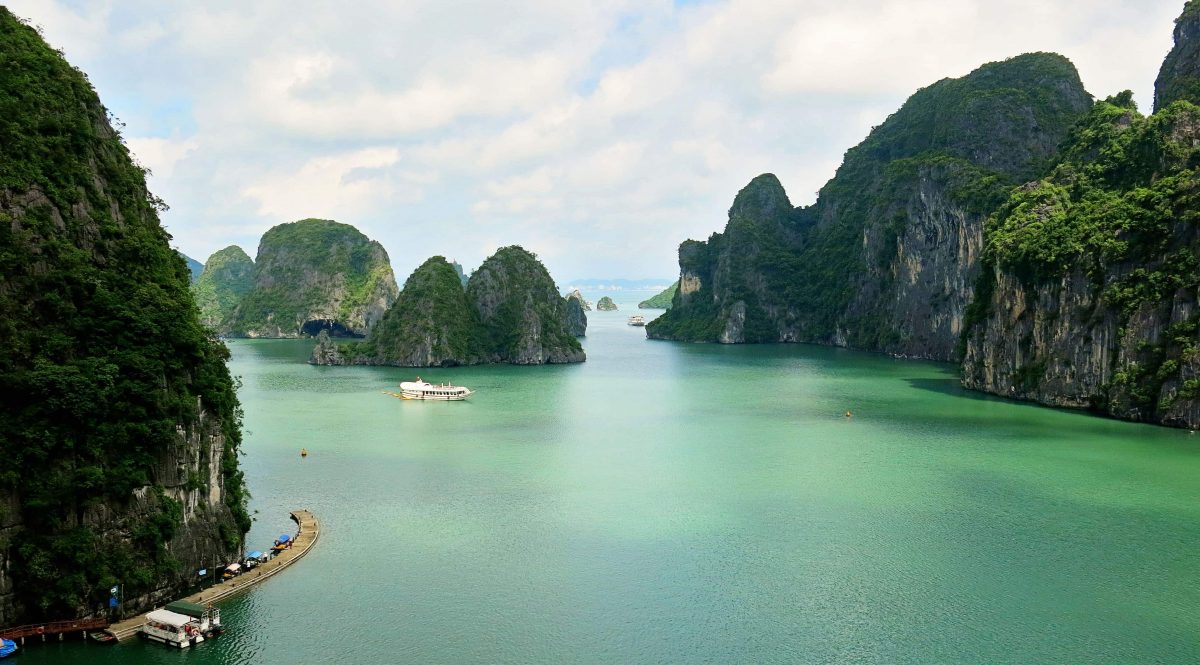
[(1179, 77), (430, 325), (576, 313), (886, 258), (311, 275), (509, 313), (523, 318), (194, 267), (1092, 274), (227, 277), (120, 421)]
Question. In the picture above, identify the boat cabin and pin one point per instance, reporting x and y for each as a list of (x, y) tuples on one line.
[(208, 619), (172, 629)]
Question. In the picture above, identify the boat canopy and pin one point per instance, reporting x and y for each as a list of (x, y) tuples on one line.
[(284, 538), (184, 607), (169, 618), (255, 555), (233, 567)]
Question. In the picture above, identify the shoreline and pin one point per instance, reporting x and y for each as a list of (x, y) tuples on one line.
[(307, 533)]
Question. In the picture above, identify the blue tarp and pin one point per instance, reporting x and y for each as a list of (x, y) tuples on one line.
[(7, 647), (284, 538), (255, 555)]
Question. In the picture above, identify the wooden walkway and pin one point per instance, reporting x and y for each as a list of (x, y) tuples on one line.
[(306, 536), (52, 629)]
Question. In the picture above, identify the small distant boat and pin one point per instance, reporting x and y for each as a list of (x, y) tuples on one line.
[(103, 637), (637, 320), (423, 390)]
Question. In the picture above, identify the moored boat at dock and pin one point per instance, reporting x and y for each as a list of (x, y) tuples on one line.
[(172, 629)]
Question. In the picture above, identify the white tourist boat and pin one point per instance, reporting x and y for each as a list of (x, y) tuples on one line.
[(637, 320), (424, 390), (172, 629)]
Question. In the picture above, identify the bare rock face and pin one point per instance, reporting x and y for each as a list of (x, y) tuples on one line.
[(1089, 294), (313, 275), (576, 316)]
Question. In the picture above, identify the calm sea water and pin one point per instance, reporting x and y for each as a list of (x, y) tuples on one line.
[(677, 503)]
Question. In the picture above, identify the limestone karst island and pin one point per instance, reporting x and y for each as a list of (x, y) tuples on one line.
[(692, 332)]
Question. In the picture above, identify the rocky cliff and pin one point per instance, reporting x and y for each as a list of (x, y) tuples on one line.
[(606, 304), (887, 257), (227, 277), (1089, 295), (194, 267), (1179, 76), (576, 313), (509, 313), (430, 324), (120, 421), (523, 319), (311, 275)]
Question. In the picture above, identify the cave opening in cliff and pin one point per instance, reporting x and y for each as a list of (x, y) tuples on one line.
[(334, 328)]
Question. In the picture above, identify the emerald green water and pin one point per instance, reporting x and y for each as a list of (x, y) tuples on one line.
[(671, 503)]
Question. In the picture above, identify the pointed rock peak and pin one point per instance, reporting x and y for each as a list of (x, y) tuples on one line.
[(763, 198), (1179, 77)]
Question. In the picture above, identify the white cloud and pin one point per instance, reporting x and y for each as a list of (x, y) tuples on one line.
[(601, 134), (326, 186)]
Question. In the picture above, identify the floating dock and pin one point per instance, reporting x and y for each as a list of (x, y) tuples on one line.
[(306, 536)]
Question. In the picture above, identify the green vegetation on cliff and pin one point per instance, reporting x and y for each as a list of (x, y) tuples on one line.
[(826, 273), (228, 276), (661, 300), (523, 317), (606, 304), (510, 312), (194, 267), (313, 274), (429, 324), (104, 355)]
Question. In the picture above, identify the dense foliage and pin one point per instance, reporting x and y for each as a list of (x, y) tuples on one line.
[(431, 316), (303, 268), (194, 267), (1122, 209), (227, 277), (517, 303), (104, 356), (801, 269)]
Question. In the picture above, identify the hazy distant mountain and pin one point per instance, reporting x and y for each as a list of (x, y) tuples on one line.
[(614, 284)]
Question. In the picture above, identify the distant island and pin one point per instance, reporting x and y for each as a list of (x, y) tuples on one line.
[(310, 275), (662, 300), (606, 304), (510, 312)]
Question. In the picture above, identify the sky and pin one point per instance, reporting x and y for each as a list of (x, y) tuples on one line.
[(598, 135)]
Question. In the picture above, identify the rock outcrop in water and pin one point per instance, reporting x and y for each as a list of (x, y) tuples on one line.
[(313, 275), (510, 313), (606, 304), (887, 257), (227, 277), (1089, 294), (576, 313), (120, 425)]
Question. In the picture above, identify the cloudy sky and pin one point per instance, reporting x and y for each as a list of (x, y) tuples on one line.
[(597, 134)]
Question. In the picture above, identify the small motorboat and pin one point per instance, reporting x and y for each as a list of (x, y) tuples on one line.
[(103, 637), (637, 320), (7, 648)]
